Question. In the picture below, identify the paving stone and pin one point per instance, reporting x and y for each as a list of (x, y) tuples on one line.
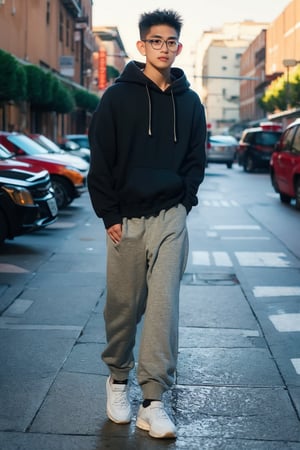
[(227, 366), (215, 306), (219, 337), (86, 358), (35, 441), (240, 413), (94, 331), (26, 377), (59, 305)]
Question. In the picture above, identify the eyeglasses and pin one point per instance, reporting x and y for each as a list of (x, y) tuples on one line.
[(157, 44)]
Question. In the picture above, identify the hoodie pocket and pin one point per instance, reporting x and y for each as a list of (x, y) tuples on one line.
[(144, 185)]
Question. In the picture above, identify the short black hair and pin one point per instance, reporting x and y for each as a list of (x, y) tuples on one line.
[(159, 17)]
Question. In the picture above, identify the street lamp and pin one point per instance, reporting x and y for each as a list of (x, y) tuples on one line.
[(289, 63)]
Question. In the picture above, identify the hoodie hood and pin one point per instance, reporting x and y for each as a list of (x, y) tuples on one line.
[(133, 73)]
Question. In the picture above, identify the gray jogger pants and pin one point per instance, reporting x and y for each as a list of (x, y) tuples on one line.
[(143, 278)]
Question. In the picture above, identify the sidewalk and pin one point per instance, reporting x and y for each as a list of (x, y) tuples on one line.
[(229, 393)]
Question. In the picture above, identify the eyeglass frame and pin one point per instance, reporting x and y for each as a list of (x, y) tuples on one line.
[(163, 41)]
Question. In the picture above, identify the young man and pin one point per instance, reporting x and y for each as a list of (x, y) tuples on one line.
[(147, 141)]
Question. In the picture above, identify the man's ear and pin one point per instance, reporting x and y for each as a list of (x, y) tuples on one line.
[(180, 46), (140, 45)]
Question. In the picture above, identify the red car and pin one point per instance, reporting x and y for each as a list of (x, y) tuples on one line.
[(68, 173), (285, 165)]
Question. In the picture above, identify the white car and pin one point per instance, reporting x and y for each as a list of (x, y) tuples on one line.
[(221, 149)]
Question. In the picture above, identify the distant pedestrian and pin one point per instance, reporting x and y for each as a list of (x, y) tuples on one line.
[(147, 140)]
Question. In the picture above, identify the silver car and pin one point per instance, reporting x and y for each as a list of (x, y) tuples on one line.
[(221, 149)]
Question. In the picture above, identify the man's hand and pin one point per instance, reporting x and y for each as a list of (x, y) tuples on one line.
[(115, 233)]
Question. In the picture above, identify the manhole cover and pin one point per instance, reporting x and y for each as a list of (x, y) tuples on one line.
[(210, 279)]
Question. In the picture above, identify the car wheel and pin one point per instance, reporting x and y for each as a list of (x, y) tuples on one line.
[(297, 190), (3, 228), (229, 165), (61, 191), (285, 198), (249, 165)]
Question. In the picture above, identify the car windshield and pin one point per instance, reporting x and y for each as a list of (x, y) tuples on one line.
[(48, 144), (227, 140), (5, 154), (26, 144), (82, 141), (267, 138)]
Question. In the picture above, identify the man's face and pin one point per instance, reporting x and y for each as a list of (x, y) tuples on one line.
[(160, 46)]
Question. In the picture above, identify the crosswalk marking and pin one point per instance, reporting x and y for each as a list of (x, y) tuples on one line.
[(262, 259), (221, 259), (201, 258), (235, 227), (219, 203), (286, 322), (276, 291), (296, 364), (248, 259)]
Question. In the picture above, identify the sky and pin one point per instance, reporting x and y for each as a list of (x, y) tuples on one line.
[(206, 14)]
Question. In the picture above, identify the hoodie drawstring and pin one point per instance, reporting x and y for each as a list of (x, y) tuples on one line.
[(174, 116), (150, 114)]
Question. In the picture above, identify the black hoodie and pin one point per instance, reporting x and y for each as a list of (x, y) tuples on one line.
[(147, 147)]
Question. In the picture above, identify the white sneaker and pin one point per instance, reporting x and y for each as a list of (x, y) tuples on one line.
[(154, 419), (118, 407)]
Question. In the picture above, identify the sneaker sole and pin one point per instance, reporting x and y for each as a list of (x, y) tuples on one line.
[(119, 422), (142, 425)]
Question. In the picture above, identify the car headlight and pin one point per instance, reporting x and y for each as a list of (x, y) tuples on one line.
[(20, 196)]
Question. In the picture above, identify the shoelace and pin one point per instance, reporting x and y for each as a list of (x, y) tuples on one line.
[(120, 396), (161, 413)]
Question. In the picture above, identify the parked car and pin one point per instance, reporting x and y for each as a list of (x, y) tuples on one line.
[(27, 200), (81, 139), (285, 165), (68, 173), (257, 145), (69, 148), (221, 149), (47, 143), (73, 147)]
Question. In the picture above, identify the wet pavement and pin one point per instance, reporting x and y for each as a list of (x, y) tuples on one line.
[(229, 393)]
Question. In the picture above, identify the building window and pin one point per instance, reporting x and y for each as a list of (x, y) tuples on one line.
[(73, 39), (61, 27), (67, 33), (48, 12), (224, 57), (224, 68)]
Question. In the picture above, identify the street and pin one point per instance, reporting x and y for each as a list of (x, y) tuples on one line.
[(238, 377)]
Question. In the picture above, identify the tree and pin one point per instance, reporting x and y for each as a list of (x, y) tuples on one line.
[(281, 92), (13, 83)]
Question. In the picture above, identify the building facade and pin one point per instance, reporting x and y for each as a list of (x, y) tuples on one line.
[(283, 38), (217, 70), (54, 35), (253, 79)]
